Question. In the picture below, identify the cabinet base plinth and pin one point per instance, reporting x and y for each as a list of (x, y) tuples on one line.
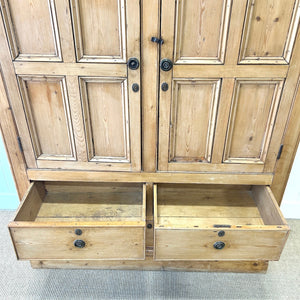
[(151, 265)]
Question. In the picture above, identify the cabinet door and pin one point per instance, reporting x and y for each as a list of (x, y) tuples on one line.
[(68, 81), (228, 91)]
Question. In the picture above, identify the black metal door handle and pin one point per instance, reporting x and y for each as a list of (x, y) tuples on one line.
[(166, 64), (157, 40), (133, 63)]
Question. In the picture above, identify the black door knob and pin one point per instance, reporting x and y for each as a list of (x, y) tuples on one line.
[(166, 64), (79, 243), (133, 63), (219, 245)]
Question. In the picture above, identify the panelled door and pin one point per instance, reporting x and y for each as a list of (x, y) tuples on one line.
[(68, 82), (229, 85)]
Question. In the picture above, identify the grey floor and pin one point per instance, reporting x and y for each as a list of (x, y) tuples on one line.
[(19, 281)]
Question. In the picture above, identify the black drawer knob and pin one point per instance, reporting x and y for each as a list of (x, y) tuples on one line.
[(219, 245), (79, 243)]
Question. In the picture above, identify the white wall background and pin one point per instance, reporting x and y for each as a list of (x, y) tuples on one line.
[(291, 199), (8, 193), (9, 198)]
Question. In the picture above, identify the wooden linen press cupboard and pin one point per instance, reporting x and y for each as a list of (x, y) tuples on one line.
[(147, 134)]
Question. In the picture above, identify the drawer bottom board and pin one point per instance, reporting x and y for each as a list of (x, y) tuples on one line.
[(151, 265)]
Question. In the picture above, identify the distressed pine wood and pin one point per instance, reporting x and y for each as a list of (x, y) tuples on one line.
[(100, 31), (291, 144), (164, 177), (229, 71), (48, 114), (134, 77), (249, 134), (267, 206), (207, 44), (198, 244), (193, 123), (70, 68), (287, 98), (221, 45), (150, 12), (77, 117), (149, 264), (50, 213), (224, 110), (72, 147), (105, 106), (239, 212), (249, 143), (165, 98), (126, 243), (38, 18), (65, 29), (14, 97), (269, 31), (28, 210)]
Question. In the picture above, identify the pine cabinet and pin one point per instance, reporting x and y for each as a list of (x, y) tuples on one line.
[(150, 131)]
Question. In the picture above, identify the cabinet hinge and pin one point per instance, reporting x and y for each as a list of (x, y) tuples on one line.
[(280, 151), (20, 144)]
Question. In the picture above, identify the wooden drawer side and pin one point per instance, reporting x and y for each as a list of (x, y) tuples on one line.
[(31, 202), (267, 205)]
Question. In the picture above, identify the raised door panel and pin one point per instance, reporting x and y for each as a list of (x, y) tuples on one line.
[(253, 112), (48, 116), (191, 128), (31, 27), (269, 31), (99, 28), (201, 38), (105, 104), (193, 117)]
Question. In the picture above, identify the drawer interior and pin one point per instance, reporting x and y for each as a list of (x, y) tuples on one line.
[(216, 206), (83, 202)]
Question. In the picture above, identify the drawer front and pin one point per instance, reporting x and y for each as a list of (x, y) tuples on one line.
[(177, 244), (99, 243)]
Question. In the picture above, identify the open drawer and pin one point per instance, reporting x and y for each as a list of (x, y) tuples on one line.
[(61, 220), (217, 222)]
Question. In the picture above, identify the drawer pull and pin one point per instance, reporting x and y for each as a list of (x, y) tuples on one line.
[(219, 245), (79, 243)]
